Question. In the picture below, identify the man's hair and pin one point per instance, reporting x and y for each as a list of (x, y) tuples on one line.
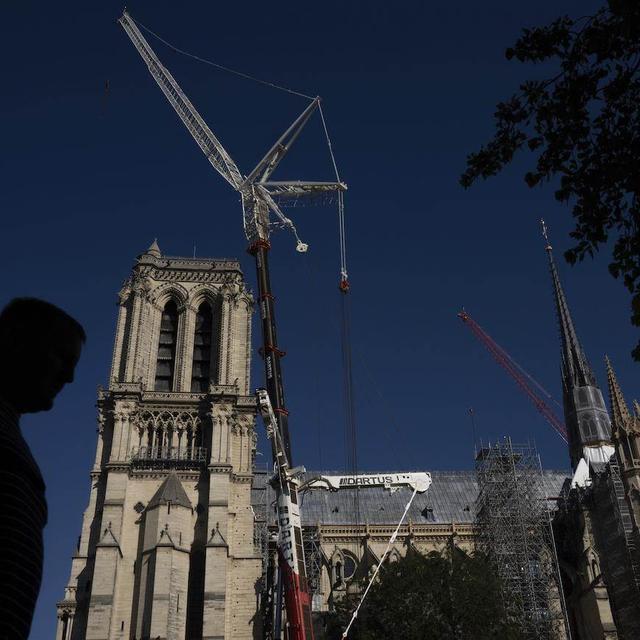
[(34, 320)]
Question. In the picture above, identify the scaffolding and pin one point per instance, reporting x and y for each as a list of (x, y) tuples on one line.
[(514, 531), (313, 560)]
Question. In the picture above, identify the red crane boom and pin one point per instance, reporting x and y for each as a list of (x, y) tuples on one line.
[(508, 364)]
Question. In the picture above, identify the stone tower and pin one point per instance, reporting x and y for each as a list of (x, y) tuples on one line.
[(167, 547)]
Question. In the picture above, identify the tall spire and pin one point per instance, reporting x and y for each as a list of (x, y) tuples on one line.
[(576, 371), (585, 414), (620, 415)]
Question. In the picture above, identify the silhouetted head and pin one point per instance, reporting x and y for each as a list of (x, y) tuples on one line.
[(40, 346)]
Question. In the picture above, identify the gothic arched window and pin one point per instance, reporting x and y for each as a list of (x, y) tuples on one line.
[(200, 374), (339, 574), (349, 566), (166, 362)]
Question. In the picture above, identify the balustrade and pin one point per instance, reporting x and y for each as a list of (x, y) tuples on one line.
[(165, 456)]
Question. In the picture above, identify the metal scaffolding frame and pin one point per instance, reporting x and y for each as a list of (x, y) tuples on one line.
[(514, 531), (313, 560)]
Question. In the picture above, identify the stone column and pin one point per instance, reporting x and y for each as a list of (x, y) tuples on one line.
[(186, 348), (225, 337), (134, 330), (239, 339), (121, 325), (155, 313), (102, 419), (178, 372), (64, 628), (117, 436)]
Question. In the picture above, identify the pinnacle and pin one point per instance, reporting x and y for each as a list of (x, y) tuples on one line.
[(620, 414), (154, 249)]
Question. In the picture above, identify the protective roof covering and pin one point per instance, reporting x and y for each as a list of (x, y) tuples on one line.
[(171, 490), (450, 499)]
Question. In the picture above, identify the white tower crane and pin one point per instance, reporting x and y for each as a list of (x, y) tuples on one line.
[(259, 197)]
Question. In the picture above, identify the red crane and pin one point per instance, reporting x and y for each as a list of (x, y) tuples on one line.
[(521, 377)]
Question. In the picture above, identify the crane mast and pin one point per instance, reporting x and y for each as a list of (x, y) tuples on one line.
[(259, 197)]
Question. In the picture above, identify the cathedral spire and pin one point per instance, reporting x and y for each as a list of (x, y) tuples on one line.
[(620, 415), (585, 414), (576, 371)]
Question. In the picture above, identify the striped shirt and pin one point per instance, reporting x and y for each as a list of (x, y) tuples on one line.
[(23, 515)]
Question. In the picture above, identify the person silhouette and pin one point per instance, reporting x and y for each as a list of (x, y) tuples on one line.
[(40, 346)]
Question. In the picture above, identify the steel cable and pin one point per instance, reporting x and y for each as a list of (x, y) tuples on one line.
[(221, 67)]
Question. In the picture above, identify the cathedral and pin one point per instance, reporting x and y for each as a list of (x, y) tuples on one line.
[(178, 532)]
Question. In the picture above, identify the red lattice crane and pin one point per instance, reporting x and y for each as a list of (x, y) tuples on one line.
[(521, 377)]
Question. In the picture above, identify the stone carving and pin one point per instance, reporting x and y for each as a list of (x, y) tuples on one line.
[(171, 289)]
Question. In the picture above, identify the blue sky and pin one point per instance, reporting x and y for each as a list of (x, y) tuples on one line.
[(92, 176)]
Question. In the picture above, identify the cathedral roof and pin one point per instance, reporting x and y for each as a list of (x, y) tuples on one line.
[(450, 499), (171, 490)]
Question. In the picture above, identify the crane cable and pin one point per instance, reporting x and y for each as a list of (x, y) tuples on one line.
[(351, 436), (392, 539), (351, 439), (221, 67), (344, 276)]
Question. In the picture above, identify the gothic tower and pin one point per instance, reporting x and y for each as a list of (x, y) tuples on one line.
[(167, 547)]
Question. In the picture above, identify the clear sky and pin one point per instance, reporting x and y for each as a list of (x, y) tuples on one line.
[(90, 177)]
